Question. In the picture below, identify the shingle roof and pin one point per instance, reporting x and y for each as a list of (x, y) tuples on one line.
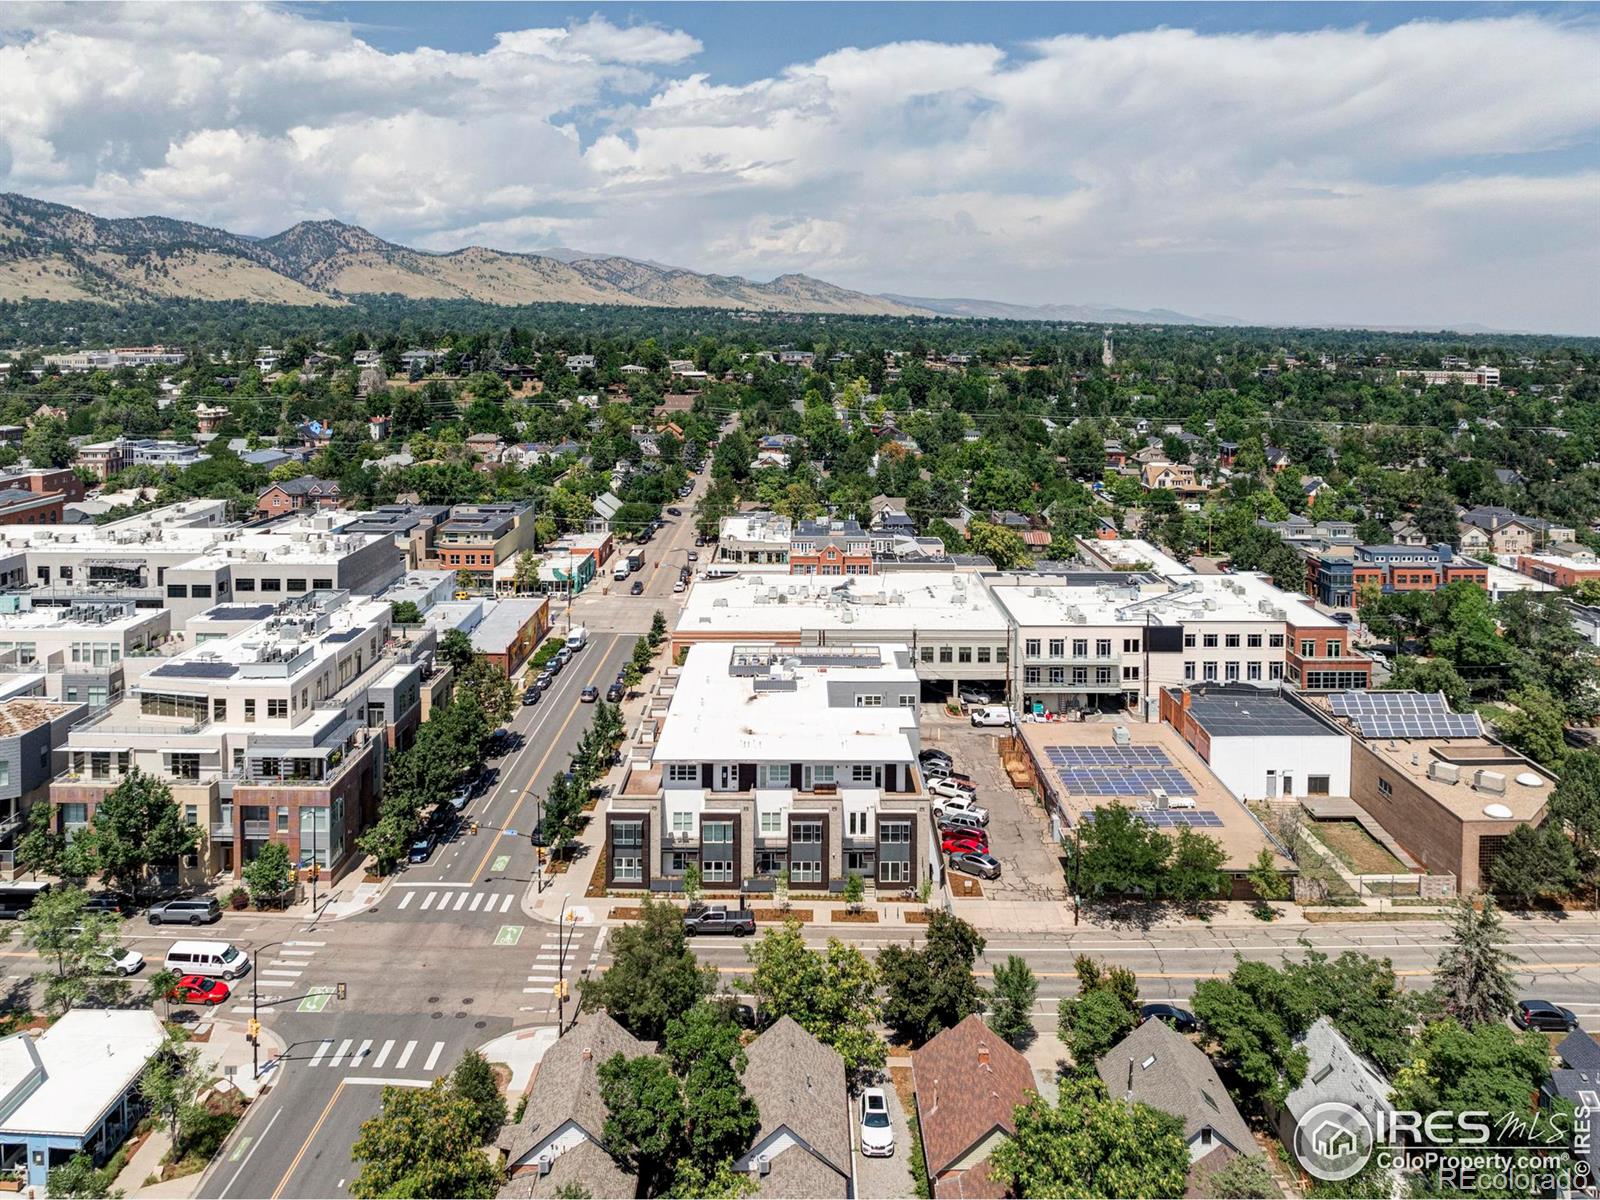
[(798, 1083), (968, 1083), (586, 1165), (1158, 1066), (1579, 1051), (566, 1086)]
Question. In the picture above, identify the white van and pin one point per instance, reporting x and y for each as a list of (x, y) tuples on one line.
[(577, 639), (207, 958), (992, 715)]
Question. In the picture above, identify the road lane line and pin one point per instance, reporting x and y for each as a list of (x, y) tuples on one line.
[(438, 1049), (416, 883), (477, 899), (327, 1044), (305, 943), (344, 1048), (550, 749), (405, 1056), (369, 1081), (256, 1145), (383, 1054), (407, 899), (306, 1145)]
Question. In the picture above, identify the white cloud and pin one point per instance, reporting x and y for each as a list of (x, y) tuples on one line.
[(1438, 171)]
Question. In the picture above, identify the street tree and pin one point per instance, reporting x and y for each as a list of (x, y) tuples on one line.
[(1473, 979), (135, 826), (170, 1085), (61, 930), (1117, 854), (1090, 1023), (423, 1143), (1015, 988), (653, 976), (832, 994), (932, 988), (1250, 1021), (39, 850), (267, 875), (658, 628), (1194, 875), (1535, 864), (1090, 1145), (525, 575), (1363, 998), (473, 1080), (1268, 883), (692, 889)]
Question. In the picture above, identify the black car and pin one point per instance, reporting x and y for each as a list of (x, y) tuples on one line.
[(637, 589), (1544, 1016), (531, 696), (930, 756), (105, 902), (1180, 1019), (674, 512), (614, 693), (421, 849)]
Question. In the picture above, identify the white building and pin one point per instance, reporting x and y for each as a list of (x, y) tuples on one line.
[(1260, 743)]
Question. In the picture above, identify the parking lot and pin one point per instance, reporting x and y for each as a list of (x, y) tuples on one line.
[(1019, 834)]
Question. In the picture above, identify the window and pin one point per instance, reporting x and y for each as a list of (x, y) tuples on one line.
[(244, 585), (717, 833), (869, 700), (277, 709), (184, 766), (683, 772), (1209, 672), (1253, 640), (927, 654), (1188, 669), (249, 711), (191, 814), (177, 591), (1102, 648), (896, 832), (271, 585), (1129, 673), (1030, 648), (1188, 641), (894, 870), (861, 773), (1058, 647), (201, 591), (822, 773), (772, 822), (1275, 670), (219, 710), (1080, 676), (717, 870), (627, 869), (774, 775), (1210, 641), (983, 654), (809, 871), (770, 862), (964, 654), (1002, 654), (1252, 671), (1384, 789), (858, 823), (806, 833), (1058, 675), (1275, 640), (283, 818), (1130, 645), (1230, 672), (683, 821), (1231, 641), (322, 585), (1080, 647), (907, 700), (1316, 785), (1030, 675), (296, 585), (944, 654), (1334, 649), (5, 774), (1308, 648), (1102, 675)]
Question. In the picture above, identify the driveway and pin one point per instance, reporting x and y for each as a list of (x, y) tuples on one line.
[(883, 1177), (1019, 833)]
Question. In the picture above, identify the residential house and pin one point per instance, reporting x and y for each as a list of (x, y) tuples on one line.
[(1168, 477), (577, 363), (1335, 1074), (605, 508), (969, 1084), (292, 495), (208, 417), (803, 1149), (1157, 1066), (1406, 532), (1116, 456), (1508, 532), (559, 1143), (1278, 459)]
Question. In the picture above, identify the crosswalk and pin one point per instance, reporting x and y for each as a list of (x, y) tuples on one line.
[(457, 901), (374, 1054), (283, 973), (548, 967)]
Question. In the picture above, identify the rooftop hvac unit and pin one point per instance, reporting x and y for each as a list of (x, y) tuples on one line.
[(1444, 772), (1158, 797), (546, 1161), (720, 602), (1121, 736), (1491, 781)]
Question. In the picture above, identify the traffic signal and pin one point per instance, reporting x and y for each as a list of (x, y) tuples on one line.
[(253, 1030), (560, 989), (316, 870), (339, 991), (541, 853), (473, 829)]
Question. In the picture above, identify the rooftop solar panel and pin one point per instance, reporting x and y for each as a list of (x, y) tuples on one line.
[(196, 670)]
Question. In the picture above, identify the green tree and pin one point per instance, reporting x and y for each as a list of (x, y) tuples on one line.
[(1250, 1020), (646, 1123), (456, 649), (854, 891), (473, 1080), (653, 976), (1000, 545), (170, 1085), (1246, 1177), (267, 876), (642, 654), (1432, 675), (932, 988), (1575, 802), (423, 1143), (692, 889), (1194, 875), (1268, 883), (78, 1179), (158, 989), (525, 575), (1015, 988), (1536, 727), (723, 1183), (1118, 854), (39, 850), (46, 444), (721, 1120), (1090, 1145), (831, 994), (1535, 864), (1473, 978), (135, 826), (658, 628), (1090, 1023), (58, 927), (1363, 998), (406, 612)]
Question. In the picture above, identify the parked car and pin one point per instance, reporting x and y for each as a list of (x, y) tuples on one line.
[(531, 696), (738, 922), (105, 902), (563, 656), (1542, 1015), (1343, 618), (421, 849), (615, 692), (960, 841), (877, 1131), (692, 556), (993, 715), (674, 512), (679, 586), (1180, 1019), (202, 911), (976, 862), (951, 788), (121, 960), (972, 696), (200, 989), (946, 806), (459, 798), (932, 757), (958, 822), (637, 589), (698, 540), (546, 678), (589, 695)]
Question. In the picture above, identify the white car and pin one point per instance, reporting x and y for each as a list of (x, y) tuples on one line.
[(877, 1130), (952, 789), (948, 808), (121, 960)]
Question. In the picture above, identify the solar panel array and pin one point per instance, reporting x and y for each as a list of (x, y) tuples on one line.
[(1404, 715), (1117, 771), (197, 670), (1173, 818)]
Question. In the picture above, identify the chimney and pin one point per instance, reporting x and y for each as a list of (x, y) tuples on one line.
[(983, 1054), (588, 1054)]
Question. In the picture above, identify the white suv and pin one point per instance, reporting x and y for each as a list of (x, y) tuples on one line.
[(947, 807), (877, 1130)]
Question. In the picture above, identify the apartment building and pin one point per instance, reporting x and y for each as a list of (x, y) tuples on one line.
[(755, 538), (774, 758), (85, 361), (1339, 571), (1558, 571), (106, 459), (831, 547), (31, 731), (80, 648), (278, 732), (478, 537), (18, 506), (45, 481), (1108, 645)]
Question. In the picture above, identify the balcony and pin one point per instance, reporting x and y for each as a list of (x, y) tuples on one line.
[(254, 831)]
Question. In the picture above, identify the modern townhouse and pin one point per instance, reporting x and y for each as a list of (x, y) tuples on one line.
[(32, 731), (479, 537), (772, 759), (755, 538), (278, 732)]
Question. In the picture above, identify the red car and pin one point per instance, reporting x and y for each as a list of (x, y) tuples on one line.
[(200, 989), (958, 843)]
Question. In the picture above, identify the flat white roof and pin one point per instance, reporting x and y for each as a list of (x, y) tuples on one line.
[(1194, 599), (1134, 552), (717, 716), (771, 604), (65, 620), (1502, 579), (88, 1058)]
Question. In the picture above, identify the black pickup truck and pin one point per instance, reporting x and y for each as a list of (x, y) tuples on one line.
[(740, 922)]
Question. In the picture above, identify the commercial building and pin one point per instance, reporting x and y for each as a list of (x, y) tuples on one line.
[(511, 629), (1558, 571), (81, 648), (1261, 743), (1081, 766), (45, 481), (954, 629), (1441, 788), (412, 526), (275, 733), (830, 548), (1131, 554), (754, 538), (478, 537), (18, 506), (773, 758)]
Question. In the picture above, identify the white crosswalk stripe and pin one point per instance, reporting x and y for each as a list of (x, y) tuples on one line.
[(383, 1054), (405, 1055), (427, 901), (323, 1048), (433, 1056), (505, 903), (344, 1048), (476, 900), (407, 899), (353, 1055)]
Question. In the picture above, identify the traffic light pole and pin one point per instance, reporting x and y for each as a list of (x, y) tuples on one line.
[(254, 1028)]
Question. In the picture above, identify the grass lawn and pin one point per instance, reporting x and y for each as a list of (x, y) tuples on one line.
[(1356, 848)]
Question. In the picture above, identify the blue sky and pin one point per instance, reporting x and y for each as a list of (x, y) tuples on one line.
[(1295, 163)]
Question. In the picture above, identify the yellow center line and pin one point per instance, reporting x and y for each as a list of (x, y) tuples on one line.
[(494, 842), (306, 1145)]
